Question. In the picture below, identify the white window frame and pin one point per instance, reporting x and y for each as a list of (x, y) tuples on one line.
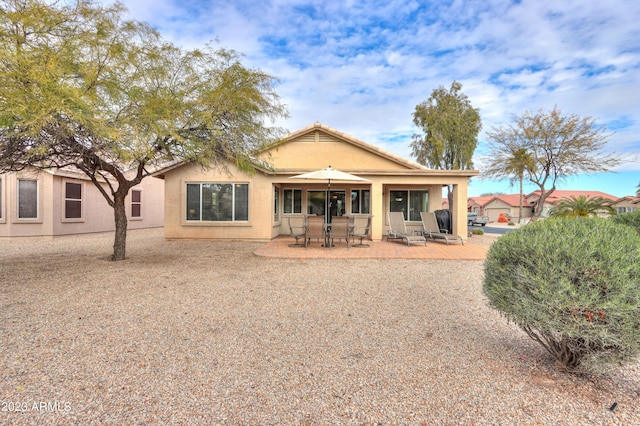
[(132, 203), (293, 201), (625, 209), (360, 201), (276, 204), (65, 199), (28, 219), (408, 202), (233, 203)]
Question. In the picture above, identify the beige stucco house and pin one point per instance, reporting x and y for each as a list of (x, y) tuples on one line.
[(508, 204), (560, 194), (62, 202), (476, 204), (627, 204), (230, 204)]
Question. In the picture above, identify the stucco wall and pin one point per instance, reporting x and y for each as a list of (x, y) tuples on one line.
[(260, 225), (315, 148), (97, 215)]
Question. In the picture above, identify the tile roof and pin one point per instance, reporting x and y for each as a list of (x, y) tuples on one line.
[(512, 200), (559, 194), (481, 201)]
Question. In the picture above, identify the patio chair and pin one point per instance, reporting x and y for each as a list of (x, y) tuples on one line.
[(398, 230), (361, 229), (298, 230), (341, 228), (315, 229), (431, 229)]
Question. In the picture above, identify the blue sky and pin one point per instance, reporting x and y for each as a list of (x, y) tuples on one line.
[(362, 66)]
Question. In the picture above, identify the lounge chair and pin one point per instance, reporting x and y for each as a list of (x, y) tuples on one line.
[(398, 230), (298, 230), (433, 231)]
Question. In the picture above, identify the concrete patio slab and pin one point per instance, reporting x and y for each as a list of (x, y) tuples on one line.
[(279, 248)]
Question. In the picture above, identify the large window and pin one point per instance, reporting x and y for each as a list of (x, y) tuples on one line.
[(217, 202), (27, 199), (316, 203), (628, 209), (136, 204), (292, 201), (411, 203), (360, 201), (72, 200)]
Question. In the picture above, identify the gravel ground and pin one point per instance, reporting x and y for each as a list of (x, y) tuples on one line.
[(200, 332)]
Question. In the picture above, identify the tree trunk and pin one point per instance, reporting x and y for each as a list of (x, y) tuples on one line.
[(520, 206), (120, 242), (537, 211)]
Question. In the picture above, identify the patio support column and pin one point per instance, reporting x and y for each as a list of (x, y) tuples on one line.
[(459, 210), (378, 210), (435, 197)]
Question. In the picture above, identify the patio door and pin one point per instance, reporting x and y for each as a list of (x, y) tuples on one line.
[(316, 203), (338, 203)]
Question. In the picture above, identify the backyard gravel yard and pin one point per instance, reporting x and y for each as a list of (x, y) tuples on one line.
[(201, 332)]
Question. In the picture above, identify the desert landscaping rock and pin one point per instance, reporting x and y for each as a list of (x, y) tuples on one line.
[(202, 332)]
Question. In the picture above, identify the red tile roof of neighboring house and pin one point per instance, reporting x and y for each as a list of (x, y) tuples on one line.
[(631, 198), (480, 201), (559, 194), (512, 200)]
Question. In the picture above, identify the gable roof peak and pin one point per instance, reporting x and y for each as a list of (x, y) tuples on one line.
[(354, 141)]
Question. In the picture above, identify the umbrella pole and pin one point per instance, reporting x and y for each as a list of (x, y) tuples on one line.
[(327, 200), (327, 215)]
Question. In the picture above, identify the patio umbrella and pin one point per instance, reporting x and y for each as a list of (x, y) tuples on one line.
[(329, 174)]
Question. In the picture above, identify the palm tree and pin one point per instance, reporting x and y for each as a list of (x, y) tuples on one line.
[(519, 162), (582, 206)]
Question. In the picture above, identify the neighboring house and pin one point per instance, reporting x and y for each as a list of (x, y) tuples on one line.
[(227, 203), (559, 194), (507, 204), (627, 204), (61, 202), (476, 204)]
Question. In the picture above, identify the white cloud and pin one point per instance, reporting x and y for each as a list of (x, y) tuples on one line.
[(362, 67)]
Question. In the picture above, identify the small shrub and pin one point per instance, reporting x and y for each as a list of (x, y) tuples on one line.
[(630, 219), (477, 231), (573, 285)]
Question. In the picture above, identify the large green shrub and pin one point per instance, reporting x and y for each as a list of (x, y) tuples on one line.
[(573, 285), (630, 219)]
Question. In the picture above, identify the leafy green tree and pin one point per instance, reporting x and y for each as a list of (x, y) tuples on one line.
[(572, 286), (450, 127), (560, 146), (582, 206), (82, 87)]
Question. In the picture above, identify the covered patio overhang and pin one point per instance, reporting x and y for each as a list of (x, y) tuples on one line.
[(378, 196)]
